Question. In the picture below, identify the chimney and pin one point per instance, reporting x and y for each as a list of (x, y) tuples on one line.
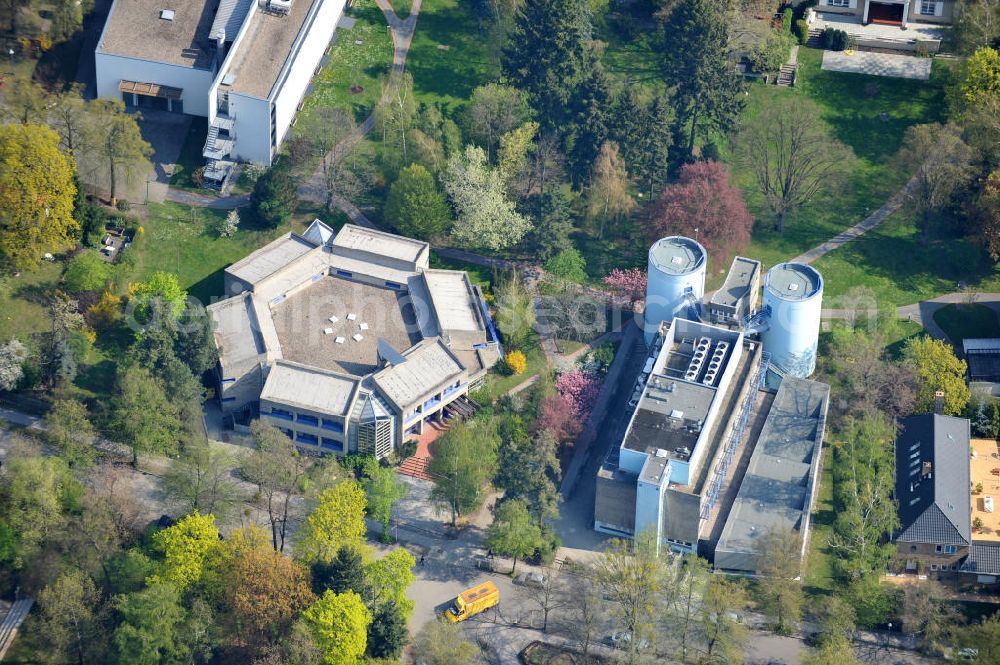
[(939, 402), (925, 471)]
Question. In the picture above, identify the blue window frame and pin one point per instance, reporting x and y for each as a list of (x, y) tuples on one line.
[(282, 414), (345, 273), (302, 437), (287, 432), (393, 285), (333, 425), (229, 380), (312, 421), (332, 444)]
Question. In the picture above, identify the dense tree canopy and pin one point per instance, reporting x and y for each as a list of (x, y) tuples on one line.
[(36, 196)]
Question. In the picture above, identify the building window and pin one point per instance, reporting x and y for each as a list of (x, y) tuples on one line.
[(937, 548), (928, 7), (839, 3), (332, 444), (934, 566), (394, 285), (282, 414), (913, 548), (302, 437), (333, 425), (311, 421), (345, 273), (287, 432), (914, 501), (949, 549)]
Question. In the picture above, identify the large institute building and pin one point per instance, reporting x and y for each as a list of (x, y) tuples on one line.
[(349, 342), (723, 445)]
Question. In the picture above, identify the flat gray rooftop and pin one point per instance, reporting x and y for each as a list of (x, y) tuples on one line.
[(134, 29), (793, 281), (775, 491), (427, 366), (270, 258), (310, 388), (264, 50), (666, 413), (301, 319), (454, 300), (677, 255), (738, 282), (377, 242)]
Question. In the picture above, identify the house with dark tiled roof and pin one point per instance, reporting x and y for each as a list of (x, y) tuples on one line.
[(932, 493)]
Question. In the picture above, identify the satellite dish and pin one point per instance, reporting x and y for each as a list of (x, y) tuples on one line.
[(389, 354)]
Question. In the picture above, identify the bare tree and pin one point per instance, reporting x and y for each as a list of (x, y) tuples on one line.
[(548, 596), (202, 480), (977, 24), (924, 612), (779, 564), (585, 615), (944, 165), (792, 154)]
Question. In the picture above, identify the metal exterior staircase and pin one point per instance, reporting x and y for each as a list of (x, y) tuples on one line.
[(216, 146), (8, 628)]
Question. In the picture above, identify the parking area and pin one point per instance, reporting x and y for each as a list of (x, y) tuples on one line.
[(166, 132)]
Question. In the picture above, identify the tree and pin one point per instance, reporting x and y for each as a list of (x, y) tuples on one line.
[(87, 271), (231, 224), (515, 314), (587, 130), (163, 289), (557, 414), (443, 643), (345, 572), (779, 594), (387, 634), (186, 546), (142, 417), (703, 203), (980, 77), (943, 166), (695, 60), (516, 362), (339, 623), (633, 581), (608, 197), (552, 225), (273, 198), (201, 480), (531, 471), (68, 115), (70, 614), (264, 590), (864, 473), (386, 581), (69, 429), (279, 470), (513, 533), (583, 616), (926, 612), (835, 617), (383, 490), (117, 141), (485, 216), (106, 312), (33, 494), (568, 264), (772, 52), (36, 196), (985, 637), (12, 357), (792, 154), (628, 284), (722, 632), (338, 521), (25, 103), (515, 146), (463, 462), (937, 369), (415, 207), (977, 24), (151, 625), (988, 216), (492, 111), (548, 54), (832, 651), (395, 118)]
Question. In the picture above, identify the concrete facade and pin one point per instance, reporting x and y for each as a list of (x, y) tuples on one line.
[(321, 339)]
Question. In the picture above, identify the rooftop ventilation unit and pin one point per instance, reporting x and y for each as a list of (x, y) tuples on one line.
[(167, 14), (660, 452), (280, 6), (676, 414)]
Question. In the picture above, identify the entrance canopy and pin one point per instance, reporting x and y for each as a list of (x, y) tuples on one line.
[(150, 90)]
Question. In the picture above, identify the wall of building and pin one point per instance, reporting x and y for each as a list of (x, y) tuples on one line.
[(301, 422), (112, 69), (614, 504), (682, 517), (947, 8), (927, 554), (649, 507), (251, 125), (294, 80), (235, 392)]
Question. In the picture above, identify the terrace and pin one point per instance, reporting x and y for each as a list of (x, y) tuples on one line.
[(985, 459)]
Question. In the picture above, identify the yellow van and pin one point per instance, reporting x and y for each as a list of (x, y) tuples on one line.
[(473, 601)]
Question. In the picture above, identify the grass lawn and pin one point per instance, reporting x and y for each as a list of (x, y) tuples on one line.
[(351, 64), (893, 262), (21, 315), (536, 365), (854, 114), (818, 577), (961, 321), (182, 243), (191, 158), (450, 53)]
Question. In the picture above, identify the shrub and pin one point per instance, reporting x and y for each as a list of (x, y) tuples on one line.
[(229, 225), (568, 264), (604, 355), (198, 177), (977, 523), (250, 174), (123, 205), (87, 271), (834, 40), (273, 197), (770, 54), (516, 362), (407, 449), (802, 30), (786, 21)]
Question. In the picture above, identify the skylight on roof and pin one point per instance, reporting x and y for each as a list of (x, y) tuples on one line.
[(167, 14)]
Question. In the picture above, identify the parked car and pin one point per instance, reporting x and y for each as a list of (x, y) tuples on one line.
[(535, 580), (623, 639), (486, 563)]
